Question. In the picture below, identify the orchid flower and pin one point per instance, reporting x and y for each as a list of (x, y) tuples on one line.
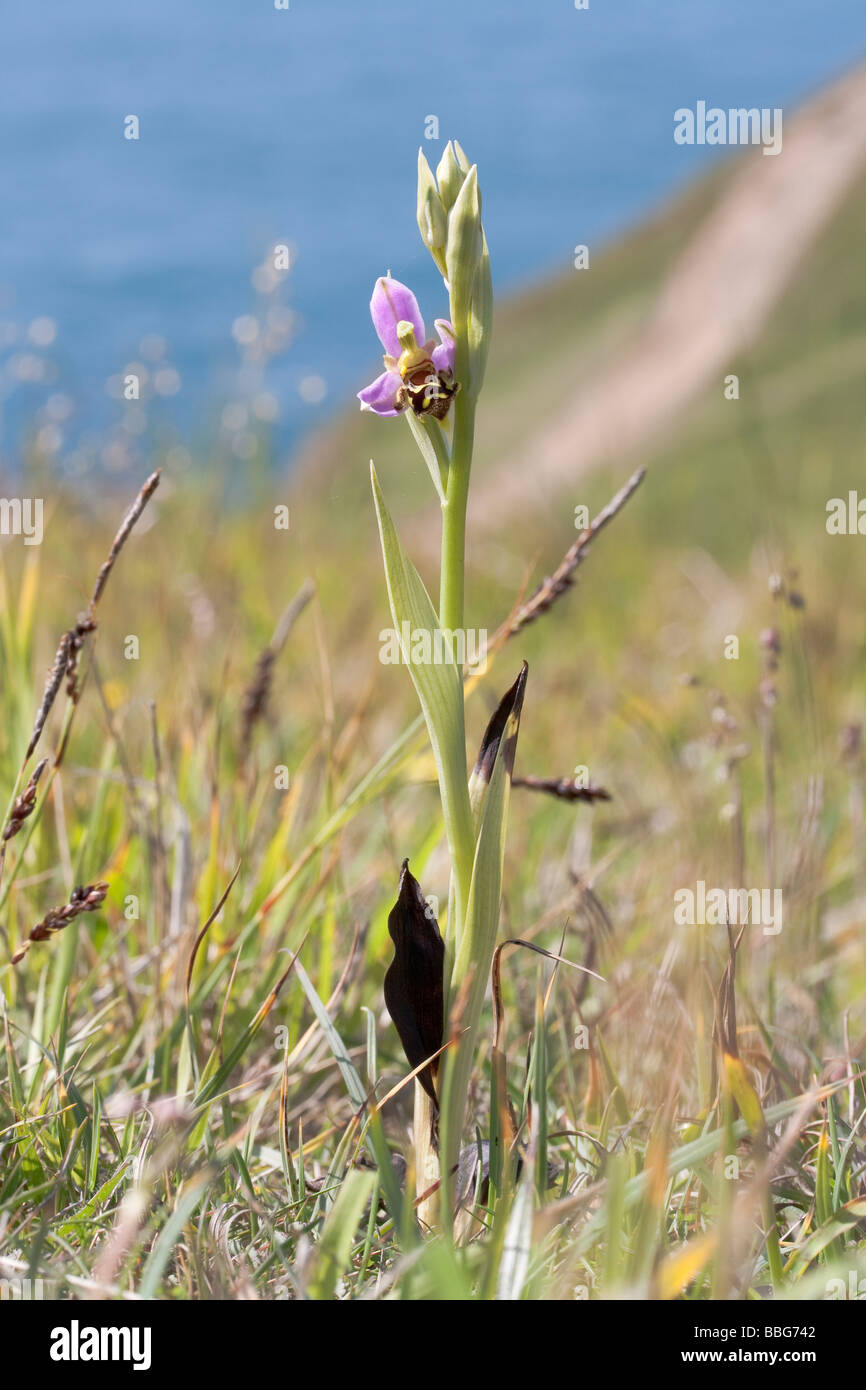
[(418, 374)]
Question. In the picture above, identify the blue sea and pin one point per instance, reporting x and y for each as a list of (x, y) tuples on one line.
[(261, 126)]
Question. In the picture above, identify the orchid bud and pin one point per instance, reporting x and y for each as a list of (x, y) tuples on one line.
[(463, 162), (463, 255), (432, 219), (480, 318), (450, 177)]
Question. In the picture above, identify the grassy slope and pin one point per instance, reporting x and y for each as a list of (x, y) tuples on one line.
[(740, 492)]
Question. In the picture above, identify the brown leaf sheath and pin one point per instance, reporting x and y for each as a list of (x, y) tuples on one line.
[(413, 983)]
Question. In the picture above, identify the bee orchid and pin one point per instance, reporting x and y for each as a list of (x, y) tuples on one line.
[(418, 375)]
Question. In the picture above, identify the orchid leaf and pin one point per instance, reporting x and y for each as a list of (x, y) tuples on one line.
[(425, 436), (497, 727), (476, 943), (437, 682)]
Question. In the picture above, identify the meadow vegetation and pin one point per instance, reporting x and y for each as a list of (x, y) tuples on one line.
[(198, 1073)]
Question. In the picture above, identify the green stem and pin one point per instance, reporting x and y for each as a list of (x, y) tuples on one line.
[(451, 604), (451, 612), (454, 517)]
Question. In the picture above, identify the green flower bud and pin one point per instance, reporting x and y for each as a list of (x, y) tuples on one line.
[(462, 161), (462, 258), (432, 219), (480, 318), (450, 177)]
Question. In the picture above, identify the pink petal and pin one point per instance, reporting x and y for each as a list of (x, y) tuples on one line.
[(381, 395), (443, 357), (392, 302)]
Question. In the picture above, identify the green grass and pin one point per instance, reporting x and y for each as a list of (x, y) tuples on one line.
[(209, 1143)]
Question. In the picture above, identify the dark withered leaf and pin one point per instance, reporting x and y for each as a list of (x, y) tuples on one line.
[(413, 984), (503, 723)]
